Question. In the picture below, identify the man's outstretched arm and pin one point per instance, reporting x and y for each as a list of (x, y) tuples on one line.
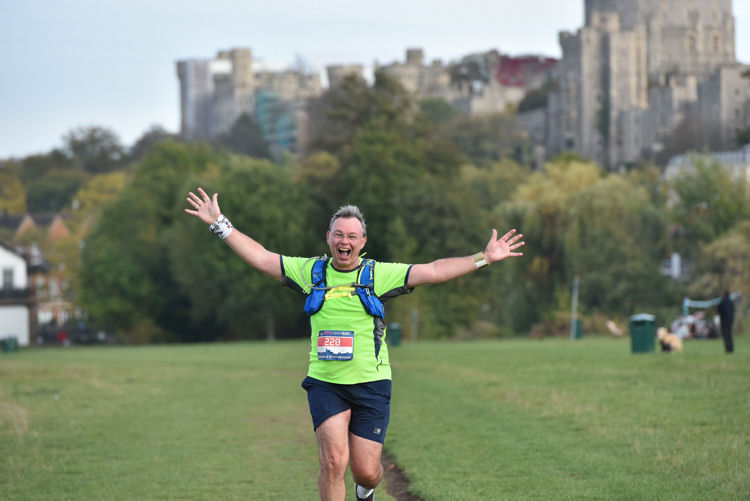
[(443, 270), (207, 210)]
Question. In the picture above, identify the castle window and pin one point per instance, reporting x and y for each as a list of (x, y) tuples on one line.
[(691, 43), (716, 43)]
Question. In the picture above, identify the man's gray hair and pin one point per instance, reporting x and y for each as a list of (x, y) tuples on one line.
[(349, 211)]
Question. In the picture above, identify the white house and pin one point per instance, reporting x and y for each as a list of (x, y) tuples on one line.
[(15, 298)]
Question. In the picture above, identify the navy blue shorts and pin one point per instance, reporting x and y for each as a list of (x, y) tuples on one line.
[(370, 404)]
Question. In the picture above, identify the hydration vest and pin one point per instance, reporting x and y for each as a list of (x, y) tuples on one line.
[(364, 287)]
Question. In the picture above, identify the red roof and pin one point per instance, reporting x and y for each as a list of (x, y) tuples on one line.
[(514, 71)]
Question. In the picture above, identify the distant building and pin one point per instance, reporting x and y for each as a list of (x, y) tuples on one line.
[(16, 304), (639, 69), (215, 92), (281, 100), (737, 163), (47, 285), (337, 72), (479, 83)]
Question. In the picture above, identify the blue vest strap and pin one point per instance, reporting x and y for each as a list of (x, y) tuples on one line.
[(366, 290), (364, 287), (314, 301)]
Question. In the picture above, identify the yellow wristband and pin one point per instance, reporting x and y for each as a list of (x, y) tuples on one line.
[(479, 260)]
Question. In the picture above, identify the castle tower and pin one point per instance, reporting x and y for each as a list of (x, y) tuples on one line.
[(683, 36), (626, 49), (338, 72)]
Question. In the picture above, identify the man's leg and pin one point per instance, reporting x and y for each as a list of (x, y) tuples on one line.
[(726, 334), (333, 453), (365, 461)]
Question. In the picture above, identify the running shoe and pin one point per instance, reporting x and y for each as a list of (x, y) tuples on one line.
[(371, 497)]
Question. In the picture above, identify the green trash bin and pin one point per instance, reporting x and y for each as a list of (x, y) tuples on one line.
[(579, 328), (642, 332), (10, 344), (394, 334)]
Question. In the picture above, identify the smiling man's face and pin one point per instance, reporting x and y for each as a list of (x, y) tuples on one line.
[(346, 241)]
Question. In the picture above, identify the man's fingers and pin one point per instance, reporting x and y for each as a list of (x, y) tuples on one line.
[(216, 199), (508, 235), (516, 238), (192, 202), (195, 198), (204, 195)]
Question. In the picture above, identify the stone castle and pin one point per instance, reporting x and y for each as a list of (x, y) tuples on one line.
[(215, 92), (640, 78), (641, 72)]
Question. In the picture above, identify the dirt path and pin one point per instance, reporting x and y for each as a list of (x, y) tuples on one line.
[(396, 482)]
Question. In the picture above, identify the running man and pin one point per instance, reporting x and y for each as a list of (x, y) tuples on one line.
[(349, 378)]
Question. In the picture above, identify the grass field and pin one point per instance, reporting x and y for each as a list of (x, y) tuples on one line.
[(522, 419)]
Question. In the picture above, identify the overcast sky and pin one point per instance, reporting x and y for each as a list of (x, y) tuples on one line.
[(111, 63)]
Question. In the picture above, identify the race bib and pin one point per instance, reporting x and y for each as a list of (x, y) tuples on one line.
[(335, 345)]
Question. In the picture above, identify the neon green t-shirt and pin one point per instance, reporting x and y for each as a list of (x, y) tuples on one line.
[(347, 343)]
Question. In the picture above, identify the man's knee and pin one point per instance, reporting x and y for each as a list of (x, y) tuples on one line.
[(333, 447), (367, 475), (334, 463), (366, 468)]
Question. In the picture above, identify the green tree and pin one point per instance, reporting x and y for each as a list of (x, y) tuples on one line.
[(649, 177), (437, 111), (127, 284), (94, 149), (345, 109), (488, 138), (537, 98), (12, 193), (315, 175), (154, 135), (238, 301), (494, 184), (405, 176), (245, 137), (54, 190), (88, 202), (540, 210), (723, 264), (49, 180), (615, 242), (35, 167), (709, 201)]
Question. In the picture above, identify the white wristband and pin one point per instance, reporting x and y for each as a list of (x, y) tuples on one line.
[(221, 227), (479, 260)]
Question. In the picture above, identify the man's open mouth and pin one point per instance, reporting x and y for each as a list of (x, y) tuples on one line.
[(344, 252)]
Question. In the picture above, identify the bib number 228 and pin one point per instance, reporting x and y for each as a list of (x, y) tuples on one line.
[(335, 345)]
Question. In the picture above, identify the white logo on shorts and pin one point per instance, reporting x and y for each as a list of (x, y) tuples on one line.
[(377, 431)]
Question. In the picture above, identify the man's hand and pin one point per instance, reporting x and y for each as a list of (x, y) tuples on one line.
[(499, 248), (206, 209)]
